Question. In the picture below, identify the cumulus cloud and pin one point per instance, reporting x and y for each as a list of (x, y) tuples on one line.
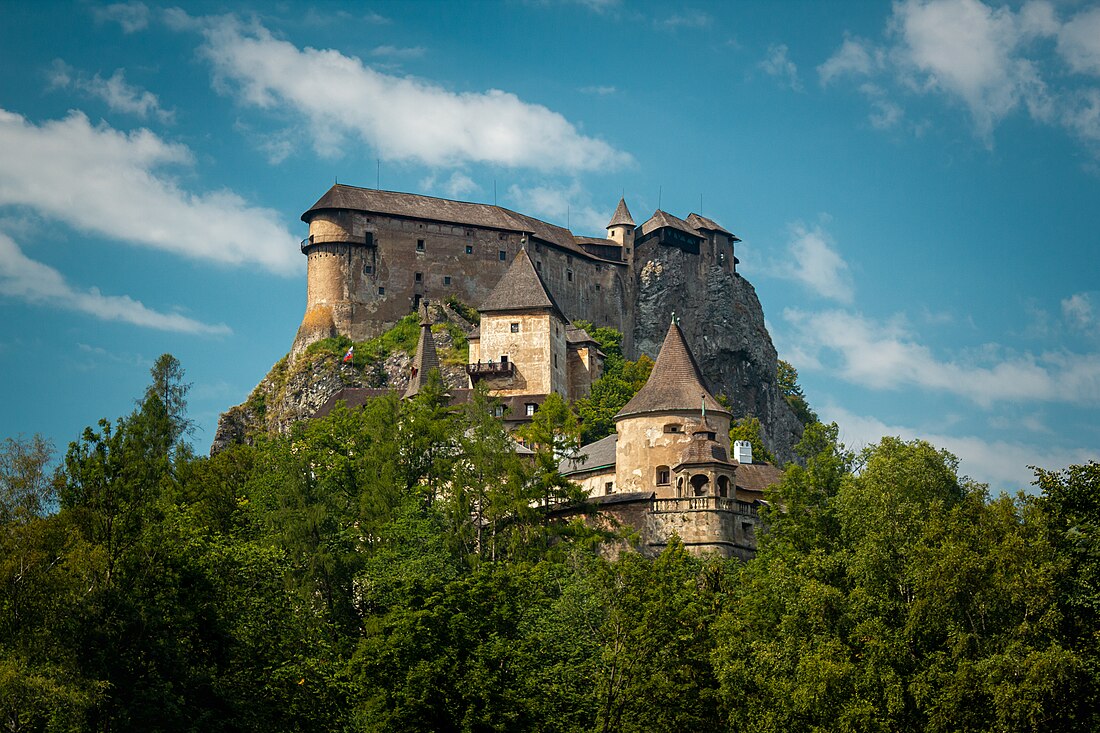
[(1077, 310), (115, 91), (35, 282), (114, 184), (564, 205), (457, 186), (132, 16), (814, 262), (1001, 463), (402, 118), (986, 58), (885, 356), (777, 64)]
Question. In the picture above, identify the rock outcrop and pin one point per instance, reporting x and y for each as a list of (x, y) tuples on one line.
[(724, 324)]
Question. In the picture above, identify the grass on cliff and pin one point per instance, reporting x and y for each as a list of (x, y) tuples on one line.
[(402, 337)]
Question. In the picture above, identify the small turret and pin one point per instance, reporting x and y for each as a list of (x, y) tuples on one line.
[(621, 230)]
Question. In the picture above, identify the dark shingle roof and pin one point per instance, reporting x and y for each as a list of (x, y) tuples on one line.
[(621, 215), (757, 476), (520, 288), (698, 221), (415, 206), (592, 456), (662, 219), (675, 382), (703, 449), (426, 357)]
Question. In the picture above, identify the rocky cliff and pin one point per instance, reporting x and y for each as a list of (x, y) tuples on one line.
[(718, 311), (724, 324)]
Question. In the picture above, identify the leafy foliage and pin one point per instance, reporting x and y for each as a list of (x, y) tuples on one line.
[(394, 568), (787, 381), (620, 381)]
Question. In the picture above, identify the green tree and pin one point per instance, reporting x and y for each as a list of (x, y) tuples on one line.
[(787, 381), (169, 387), (748, 428), (27, 488)]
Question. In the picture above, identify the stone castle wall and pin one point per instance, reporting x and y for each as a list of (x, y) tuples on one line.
[(367, 270)]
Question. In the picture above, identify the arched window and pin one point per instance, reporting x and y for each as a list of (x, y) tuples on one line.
[(664, 476), (723, 486), (700, 483), (680, 486)]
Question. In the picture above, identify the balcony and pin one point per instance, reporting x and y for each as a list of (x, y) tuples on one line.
[(484, 369), (312, 239)]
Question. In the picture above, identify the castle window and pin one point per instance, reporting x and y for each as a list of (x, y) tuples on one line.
[(555, 361), (504, 359), (420, 245), (569, 275), (673, 428), (609, 488), (628, 250), (531, 407), (538, 265), (419, 277), (597, 287), (569, 259), (469, 249), (368, 238), (503, 255), (368, 269), (381, 290), (498, 410), (513, 327), (664, 476), (723, 486), (446, 279)]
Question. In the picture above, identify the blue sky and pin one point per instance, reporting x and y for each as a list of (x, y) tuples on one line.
[(917, 185)]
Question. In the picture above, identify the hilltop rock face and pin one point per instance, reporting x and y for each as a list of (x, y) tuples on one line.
[(724, 326), (297, 386)]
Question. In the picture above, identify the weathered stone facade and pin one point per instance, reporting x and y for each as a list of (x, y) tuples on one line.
[(375, 255)]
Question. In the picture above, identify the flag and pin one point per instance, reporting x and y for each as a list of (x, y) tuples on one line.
[(347, 356)]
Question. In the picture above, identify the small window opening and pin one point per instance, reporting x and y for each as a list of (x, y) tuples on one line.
[(420, 245), (381, 290), (504, 359), (664, 476), (609, 488), (499, 410), (368, 269), (469, 250), (419, 277), (569, 275), (446, 279), (531, 407), (513, 327), (673, 428), (503, 255)]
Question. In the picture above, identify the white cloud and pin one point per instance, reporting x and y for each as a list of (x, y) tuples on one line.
[(813, 262), (402, 118), (566, 206), (1077, 310), (854, 57), (113, 184), (34, 282), (884, 356), (1079, 42), (119, 95), (132, 16), (986, 58), (398, 52), (777, 64), (601, 91), (691, 19), (457, 186), (969, 50), (1001, 463)]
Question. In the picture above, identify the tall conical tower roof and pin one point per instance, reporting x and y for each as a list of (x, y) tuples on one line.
[(520, 288), (426, 357), (675, 384), (621, 215)]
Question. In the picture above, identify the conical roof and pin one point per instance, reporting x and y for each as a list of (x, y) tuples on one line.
[(621, 215), (520, 288), (426, 357), (675, 384)]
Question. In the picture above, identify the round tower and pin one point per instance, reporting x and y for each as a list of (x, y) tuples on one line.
[(621, 231), (338, 258)]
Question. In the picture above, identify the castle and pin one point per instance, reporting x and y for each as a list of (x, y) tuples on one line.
[(373, 256), (668, 468)]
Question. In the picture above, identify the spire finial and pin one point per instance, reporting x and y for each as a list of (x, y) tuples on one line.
[(703, 399), (675, 320)]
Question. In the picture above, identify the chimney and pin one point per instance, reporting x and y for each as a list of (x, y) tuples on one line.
[(742, 451)]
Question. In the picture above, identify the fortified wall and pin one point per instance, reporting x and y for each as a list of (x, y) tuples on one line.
[(374, 256)]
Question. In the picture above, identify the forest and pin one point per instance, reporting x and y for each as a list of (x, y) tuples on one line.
[(395, 568)]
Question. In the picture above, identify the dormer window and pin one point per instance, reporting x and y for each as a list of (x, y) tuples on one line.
[(531, 407)]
